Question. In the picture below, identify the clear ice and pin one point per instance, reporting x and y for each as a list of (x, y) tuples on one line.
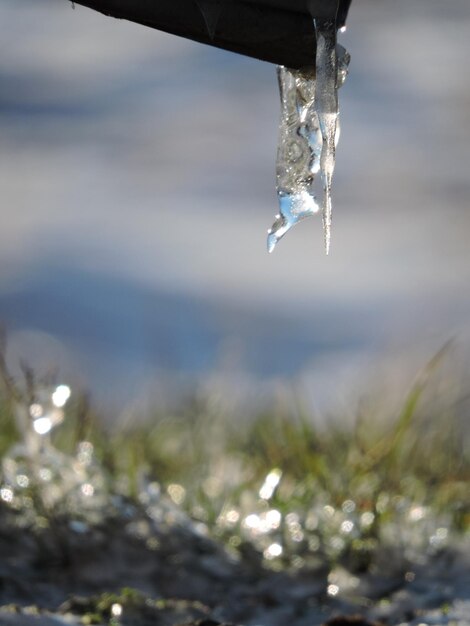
[(308, 133), (327, 109), (299, 151)]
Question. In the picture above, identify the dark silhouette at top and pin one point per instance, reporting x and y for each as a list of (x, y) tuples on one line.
[(278, 31)]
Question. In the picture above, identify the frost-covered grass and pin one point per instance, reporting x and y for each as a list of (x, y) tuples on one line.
[(296, 491)]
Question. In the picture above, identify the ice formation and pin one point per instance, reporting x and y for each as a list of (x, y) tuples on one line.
[(308, 133), (299, 151)]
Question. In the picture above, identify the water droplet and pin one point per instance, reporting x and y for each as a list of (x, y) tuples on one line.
[(251, 521), (273, 519), (232, 516), (270, 483), (87, 490), (346, 527), (45, 474), (348, 506), (116, 609), (35, 410), (42, 425), (177, 493), (22, 481), (60, 396), (417, 513), (273, 551), (367, 519), (332, 590), (6, 494), (47, 410)]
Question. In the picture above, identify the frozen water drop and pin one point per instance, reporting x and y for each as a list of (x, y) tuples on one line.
[(210, 10), (294, 207)]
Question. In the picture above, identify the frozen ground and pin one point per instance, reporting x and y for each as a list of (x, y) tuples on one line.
[(137, 184)]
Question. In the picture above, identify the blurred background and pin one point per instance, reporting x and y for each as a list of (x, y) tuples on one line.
[(137, 183)]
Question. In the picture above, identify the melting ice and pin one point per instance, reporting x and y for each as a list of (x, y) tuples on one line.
[(299, 150), (308, 133)]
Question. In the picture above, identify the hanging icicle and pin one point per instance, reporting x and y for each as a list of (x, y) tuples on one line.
[(308, 133)]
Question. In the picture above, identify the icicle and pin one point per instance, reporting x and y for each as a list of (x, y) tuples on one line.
[(308, 133), (326, 94), (298, 156)]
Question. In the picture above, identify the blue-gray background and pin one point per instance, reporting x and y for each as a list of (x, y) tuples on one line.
[(137, 185)]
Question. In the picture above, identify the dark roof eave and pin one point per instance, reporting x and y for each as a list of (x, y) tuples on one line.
[(277, 31)]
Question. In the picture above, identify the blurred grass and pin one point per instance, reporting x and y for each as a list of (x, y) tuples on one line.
[(386, 468), (420, 454)]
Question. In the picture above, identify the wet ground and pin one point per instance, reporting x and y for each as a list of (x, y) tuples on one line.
[(71, 573)]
